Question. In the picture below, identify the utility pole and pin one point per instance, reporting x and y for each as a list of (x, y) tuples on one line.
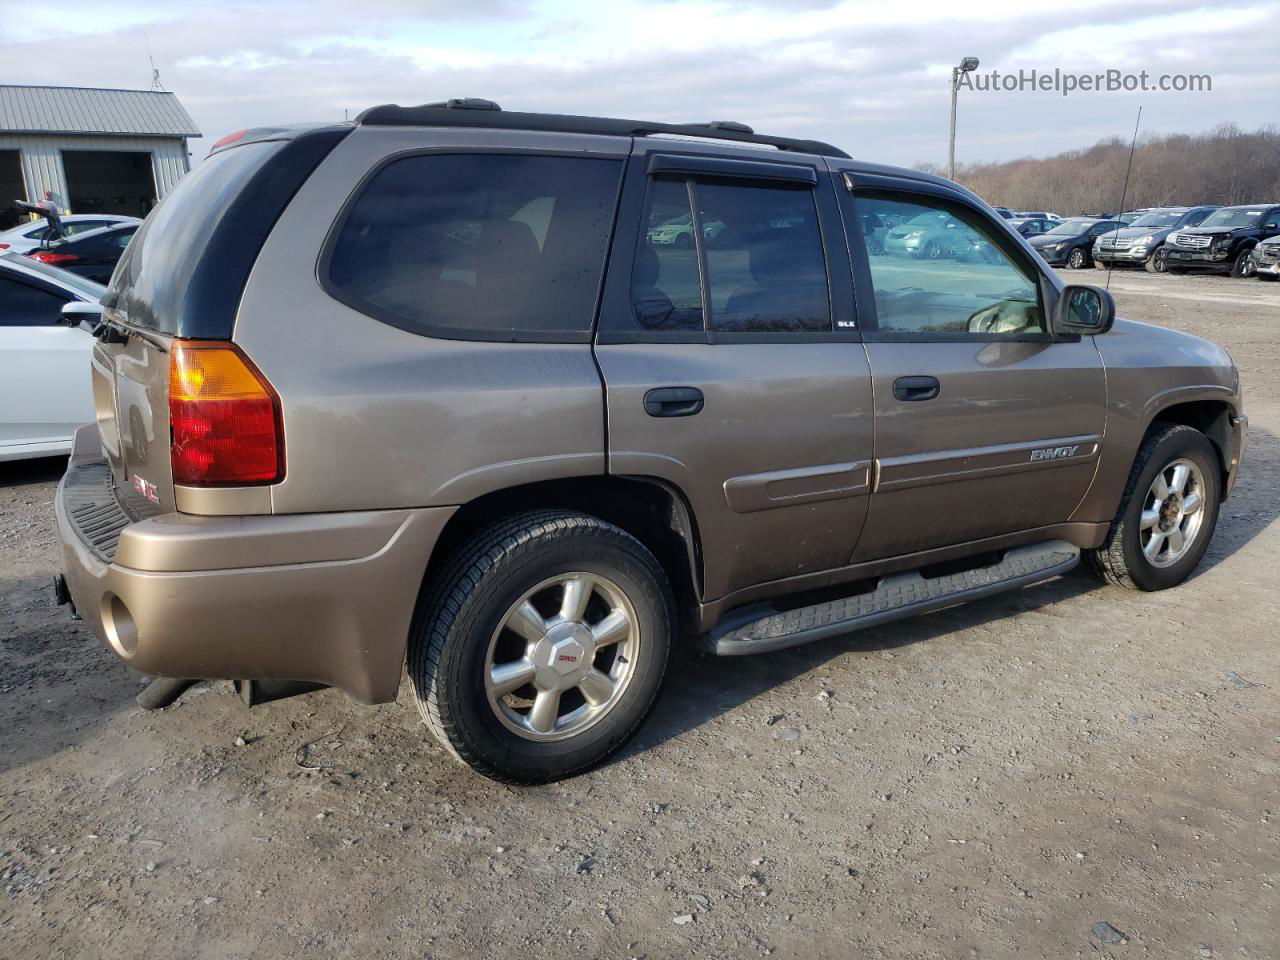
[(966, 65)]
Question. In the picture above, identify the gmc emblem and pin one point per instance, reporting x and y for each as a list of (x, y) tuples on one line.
[(568, 658), (146, 488), (1053, 453)]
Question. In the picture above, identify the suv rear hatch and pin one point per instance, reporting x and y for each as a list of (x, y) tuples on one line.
[(178, 286)]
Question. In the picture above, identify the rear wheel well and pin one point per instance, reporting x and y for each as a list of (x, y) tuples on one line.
[(654, 512), (1210, 417)]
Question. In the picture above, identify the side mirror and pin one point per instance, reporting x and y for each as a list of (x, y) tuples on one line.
[(79, 313), (1083, 309)]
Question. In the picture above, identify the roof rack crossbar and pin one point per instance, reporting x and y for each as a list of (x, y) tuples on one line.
[(437, 115)]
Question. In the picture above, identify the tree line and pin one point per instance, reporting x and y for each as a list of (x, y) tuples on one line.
[(1226, 166)]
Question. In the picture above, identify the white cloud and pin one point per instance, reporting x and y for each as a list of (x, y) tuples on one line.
[(871, 77)]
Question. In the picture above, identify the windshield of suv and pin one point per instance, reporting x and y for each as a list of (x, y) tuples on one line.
[(1233, 217), (1072, 227), (1159, 218)]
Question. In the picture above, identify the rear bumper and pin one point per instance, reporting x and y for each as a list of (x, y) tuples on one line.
[(320, 597)]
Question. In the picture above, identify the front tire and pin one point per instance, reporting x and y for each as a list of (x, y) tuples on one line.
[(541, 648), (1167, 514), (1243, 265), (1156, 262), (1076, 260)]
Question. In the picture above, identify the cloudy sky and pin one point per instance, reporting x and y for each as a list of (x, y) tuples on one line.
[(871, 77)]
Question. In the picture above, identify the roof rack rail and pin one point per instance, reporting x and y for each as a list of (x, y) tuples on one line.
[(477, 112)]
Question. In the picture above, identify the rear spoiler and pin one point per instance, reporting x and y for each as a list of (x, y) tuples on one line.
[(286, 131), (51, 216)]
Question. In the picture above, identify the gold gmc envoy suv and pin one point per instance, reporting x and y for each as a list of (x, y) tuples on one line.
[(517, 400)]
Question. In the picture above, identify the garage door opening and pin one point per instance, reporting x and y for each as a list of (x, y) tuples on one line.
[(109, 181), (11, 188)]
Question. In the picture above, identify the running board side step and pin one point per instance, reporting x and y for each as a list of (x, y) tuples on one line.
[(760, 628)]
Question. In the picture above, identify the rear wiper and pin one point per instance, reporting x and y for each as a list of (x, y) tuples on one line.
[(110, 330), (106, 331)]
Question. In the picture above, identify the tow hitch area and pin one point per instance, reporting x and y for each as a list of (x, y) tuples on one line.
[(257, 692), (162, 691), (62, 595)]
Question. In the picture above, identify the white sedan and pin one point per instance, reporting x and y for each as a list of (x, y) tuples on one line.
[(45, 380), (27, 237)]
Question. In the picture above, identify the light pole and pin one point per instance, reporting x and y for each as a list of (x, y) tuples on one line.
[(966, 65)]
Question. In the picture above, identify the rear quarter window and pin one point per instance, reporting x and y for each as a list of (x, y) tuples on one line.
[(478, 246)]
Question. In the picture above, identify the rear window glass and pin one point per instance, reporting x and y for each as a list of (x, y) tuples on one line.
[(485, 246), (151, 280)]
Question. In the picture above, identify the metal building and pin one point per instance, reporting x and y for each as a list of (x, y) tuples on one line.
[(99, 151)]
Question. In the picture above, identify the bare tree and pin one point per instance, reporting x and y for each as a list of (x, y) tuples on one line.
[(1226, 165)]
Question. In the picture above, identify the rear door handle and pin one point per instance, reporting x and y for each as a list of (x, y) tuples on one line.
[(915, 388), (673, 402)]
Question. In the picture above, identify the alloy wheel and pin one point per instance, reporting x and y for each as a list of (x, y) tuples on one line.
[(562, 656), (1172, 513)]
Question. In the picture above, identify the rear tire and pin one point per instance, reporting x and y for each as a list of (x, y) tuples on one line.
[(1142, 553), (502, 611)]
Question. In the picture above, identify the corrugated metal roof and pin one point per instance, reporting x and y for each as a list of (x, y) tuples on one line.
[(92, 110)]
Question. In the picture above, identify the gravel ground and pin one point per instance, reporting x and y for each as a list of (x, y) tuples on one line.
[(990, 781)]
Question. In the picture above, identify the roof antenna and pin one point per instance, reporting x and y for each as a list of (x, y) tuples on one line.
[(155, 74), (1125, 189)]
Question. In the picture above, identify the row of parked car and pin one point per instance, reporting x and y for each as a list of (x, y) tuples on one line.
[(1243, 241), (92, 245)]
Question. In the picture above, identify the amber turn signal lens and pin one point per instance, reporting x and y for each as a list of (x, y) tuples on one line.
[(224, 418)]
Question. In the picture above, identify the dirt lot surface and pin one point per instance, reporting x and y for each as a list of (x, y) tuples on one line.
[(991, 781)]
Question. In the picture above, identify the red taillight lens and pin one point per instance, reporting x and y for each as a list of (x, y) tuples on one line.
[(224, 418), (4, 246), (48, 256)]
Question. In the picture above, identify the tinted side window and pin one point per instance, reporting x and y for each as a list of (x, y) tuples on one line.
[(22, 305), (666, 293), (481, 245), (765, 269), (936, 271)]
